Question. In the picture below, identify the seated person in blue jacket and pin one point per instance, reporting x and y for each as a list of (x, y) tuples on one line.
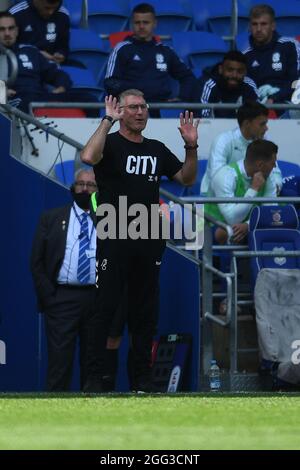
[(227, 82), (245, 178), (272, 60), (44, 24), (35, 73), (144, 63)]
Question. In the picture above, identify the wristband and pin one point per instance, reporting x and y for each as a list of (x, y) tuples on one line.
[(109, 118), (191, 147)]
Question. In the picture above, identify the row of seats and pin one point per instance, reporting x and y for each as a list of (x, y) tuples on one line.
[(198, 49), (183, 15)]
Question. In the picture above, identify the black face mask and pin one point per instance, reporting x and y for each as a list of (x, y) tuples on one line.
[(81, 199)]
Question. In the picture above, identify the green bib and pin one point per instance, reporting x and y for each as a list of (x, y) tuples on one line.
[(240, 191)]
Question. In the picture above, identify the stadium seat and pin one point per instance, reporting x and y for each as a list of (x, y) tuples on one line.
[(83, 80), (74, 7), (287, 16), (242, 41), (195, 189), (90, 50), (172, 187), (273, 228), (171, 16), (199, 49), (216, 16), (106, 17), (288, 168)]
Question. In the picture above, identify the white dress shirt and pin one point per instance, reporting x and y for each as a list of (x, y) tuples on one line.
[(68, 270)]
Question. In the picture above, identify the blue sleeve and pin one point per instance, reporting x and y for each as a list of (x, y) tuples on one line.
[(114, 84), (64, 37), (292, 74)]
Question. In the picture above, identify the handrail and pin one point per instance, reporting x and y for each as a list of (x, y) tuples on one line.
[(14, 72), (160, 105)]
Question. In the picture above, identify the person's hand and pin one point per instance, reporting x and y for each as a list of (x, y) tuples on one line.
[(58, 90), (48, 56), (258, 180), (11, 92), (58, 57), (112, 108), (188, 128), (239, 232), (173, 100)]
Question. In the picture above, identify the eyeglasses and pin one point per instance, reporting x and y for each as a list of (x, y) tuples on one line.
[(88, 184), (135, 107)]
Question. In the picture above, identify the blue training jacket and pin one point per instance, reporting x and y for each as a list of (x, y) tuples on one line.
[(148, 66)]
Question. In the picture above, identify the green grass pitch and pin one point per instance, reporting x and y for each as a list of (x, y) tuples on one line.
[(182, 422)]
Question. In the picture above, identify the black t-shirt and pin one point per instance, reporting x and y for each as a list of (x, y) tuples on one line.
[(133, 170)]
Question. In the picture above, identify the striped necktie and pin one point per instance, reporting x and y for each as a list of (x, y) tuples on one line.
[(83, 269)]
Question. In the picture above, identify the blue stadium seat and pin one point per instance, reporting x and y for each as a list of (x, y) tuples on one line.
[(195, 189), (75, 9), (199, 49), (83, 80), (216, 16), (89, 49), (287, 16), (107, 17), (171, 16), (272, 228), (288, 168), (242, 41), (172, 187)]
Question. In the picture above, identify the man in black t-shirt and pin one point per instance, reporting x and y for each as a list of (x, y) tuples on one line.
[(128, 168)]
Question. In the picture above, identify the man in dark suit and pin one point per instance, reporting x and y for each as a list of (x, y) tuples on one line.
[(64, 296)]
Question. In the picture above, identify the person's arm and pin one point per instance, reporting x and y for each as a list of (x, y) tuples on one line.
[(189, 133), (292, 74), (114, 81), (43, 285), (250, 90), (63, 39), (93, 150), (219, 154), (224, 184), (208, 96)]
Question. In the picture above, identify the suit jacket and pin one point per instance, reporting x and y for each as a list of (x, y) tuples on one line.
[(48, 252)]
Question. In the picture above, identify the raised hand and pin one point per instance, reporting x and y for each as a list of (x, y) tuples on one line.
[(189, 128), (112, 108)]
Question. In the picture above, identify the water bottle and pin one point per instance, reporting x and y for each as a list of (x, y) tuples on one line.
[(214, 377)]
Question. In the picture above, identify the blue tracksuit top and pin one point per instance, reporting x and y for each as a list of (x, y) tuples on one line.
[(275, 63), (147, 66), (50, 35), (34, 71)]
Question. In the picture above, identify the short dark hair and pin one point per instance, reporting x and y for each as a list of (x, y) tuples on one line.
[(7, 14), (262, 9), (250, 110), (261, 149), (143, 8), (235, 56)]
